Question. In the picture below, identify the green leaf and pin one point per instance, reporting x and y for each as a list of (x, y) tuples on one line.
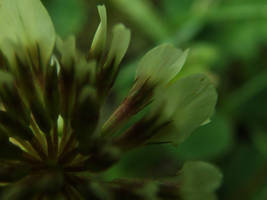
[(26, 23), (188, 103), (259, 138), (161, 64), (69, 16), (209, 141), (143, 14)]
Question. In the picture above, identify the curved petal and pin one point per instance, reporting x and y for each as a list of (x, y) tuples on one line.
[(26, 23), (161, 64), (188, 103), (100, 37)]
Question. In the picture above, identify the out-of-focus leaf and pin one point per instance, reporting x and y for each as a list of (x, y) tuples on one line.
[(207, 142), (176, 10), (201, 58), (239, 171), (146, 162), (124, 81), (260, 141), (262, 194), (142, 13), (68, 15)]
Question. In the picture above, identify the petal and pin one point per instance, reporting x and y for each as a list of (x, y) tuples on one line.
[(26, 23), (188, 103), (161, 64), (199, 179), (119, 44), (100, 37)]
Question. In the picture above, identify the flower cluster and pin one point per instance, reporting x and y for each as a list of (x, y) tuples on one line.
[(54, 143)]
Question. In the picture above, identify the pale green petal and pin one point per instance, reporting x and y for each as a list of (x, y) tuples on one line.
[(100, 37), (119, 44), (67, 48), (26, 23), (161, 64), (188, 103), (199, 179)]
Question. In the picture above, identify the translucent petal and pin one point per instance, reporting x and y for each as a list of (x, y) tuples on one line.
[(199, 178), (188, 103), (161, 64), (119, 44), (67, 49), (26, 23), (100, 37)]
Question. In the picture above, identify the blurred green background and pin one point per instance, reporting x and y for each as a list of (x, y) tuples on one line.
[(228, 42)]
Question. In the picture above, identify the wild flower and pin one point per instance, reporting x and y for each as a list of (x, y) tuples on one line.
[(53, 142)]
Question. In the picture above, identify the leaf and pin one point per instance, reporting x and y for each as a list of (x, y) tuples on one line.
[(208, 142), (161, 64), (26, 23), (187, 103), (69, 16), (145, 17), (259, 139)]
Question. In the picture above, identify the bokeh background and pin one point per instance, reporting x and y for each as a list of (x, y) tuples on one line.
[(228, 42)]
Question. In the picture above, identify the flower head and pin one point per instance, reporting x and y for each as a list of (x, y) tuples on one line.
[(53, 141)]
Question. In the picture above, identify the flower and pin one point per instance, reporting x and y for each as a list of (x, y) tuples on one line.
[(53, 144)]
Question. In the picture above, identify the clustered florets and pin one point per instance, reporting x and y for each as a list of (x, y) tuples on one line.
[(53, 141)]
